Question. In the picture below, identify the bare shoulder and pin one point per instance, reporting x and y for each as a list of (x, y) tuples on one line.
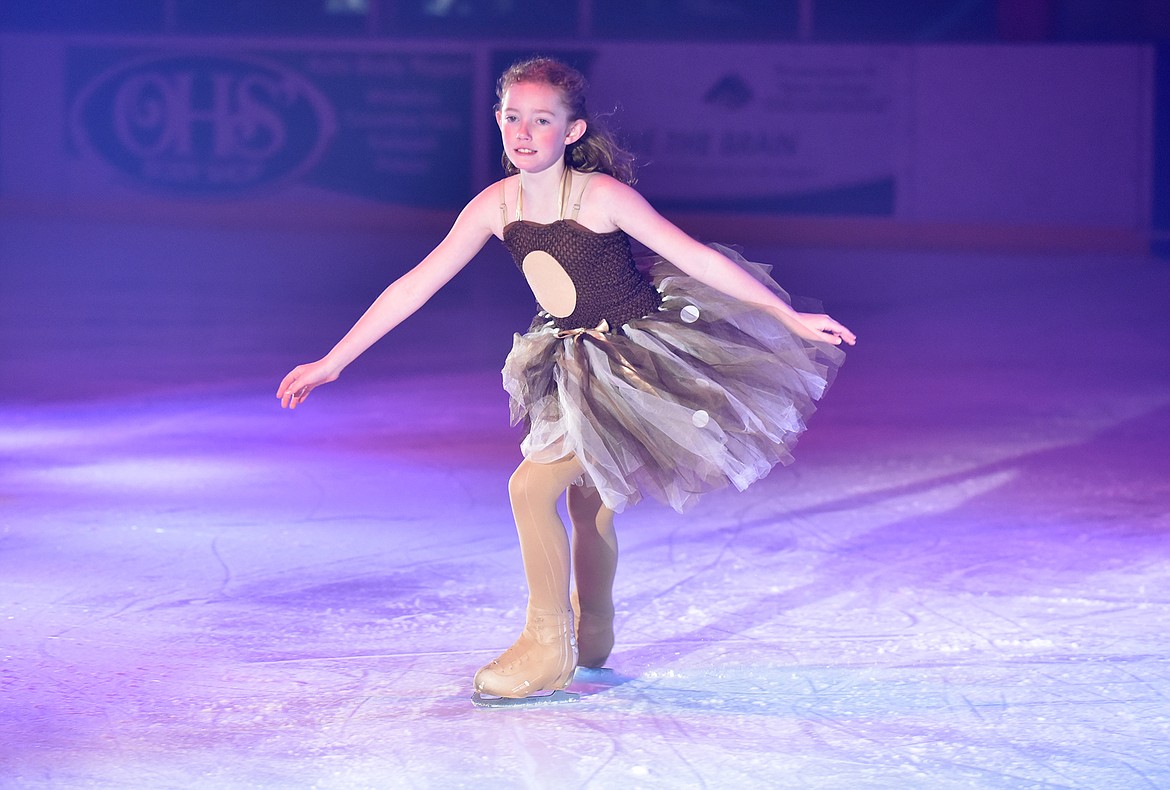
[(604, 186), (483, 210), (505, 188), (493, 194), (606, 201), (630, 211), (492, 203)]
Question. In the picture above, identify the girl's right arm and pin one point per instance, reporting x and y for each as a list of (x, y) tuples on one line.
[(400, 299)]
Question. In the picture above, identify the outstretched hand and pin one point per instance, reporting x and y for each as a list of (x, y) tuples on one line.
[(303, 379), (823, 329)]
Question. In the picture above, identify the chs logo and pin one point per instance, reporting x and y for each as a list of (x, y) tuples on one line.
[(209, 125)]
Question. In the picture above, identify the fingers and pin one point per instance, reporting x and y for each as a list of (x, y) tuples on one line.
[(839, 335), (294, 397), (842, 332), (831, 331), (297, 397), (293, 390), (287, 381)]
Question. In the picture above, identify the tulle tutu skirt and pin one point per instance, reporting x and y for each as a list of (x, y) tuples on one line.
[(706, 392)]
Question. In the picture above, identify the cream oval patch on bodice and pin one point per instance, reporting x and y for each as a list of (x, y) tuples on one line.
[(550, 283)]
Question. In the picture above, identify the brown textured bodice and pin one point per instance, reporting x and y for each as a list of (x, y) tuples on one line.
[(609, 287)]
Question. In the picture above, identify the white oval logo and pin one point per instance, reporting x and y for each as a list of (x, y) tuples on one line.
[(204, 124)]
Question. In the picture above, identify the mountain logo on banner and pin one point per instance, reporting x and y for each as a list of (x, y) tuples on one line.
[(203, 124), (730, 92)]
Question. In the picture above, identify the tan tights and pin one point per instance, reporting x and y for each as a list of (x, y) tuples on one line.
[(545, 655), (595, 556)]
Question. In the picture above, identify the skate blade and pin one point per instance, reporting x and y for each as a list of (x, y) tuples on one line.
[(558, 696)]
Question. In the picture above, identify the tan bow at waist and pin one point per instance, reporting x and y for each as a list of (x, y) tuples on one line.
[(597, 333)]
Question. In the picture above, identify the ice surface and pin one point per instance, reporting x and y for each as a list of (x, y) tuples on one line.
[(964, 581)]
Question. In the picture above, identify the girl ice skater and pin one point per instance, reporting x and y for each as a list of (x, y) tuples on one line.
[(670, 377)]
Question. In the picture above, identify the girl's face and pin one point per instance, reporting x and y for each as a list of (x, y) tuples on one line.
[(535, 126)]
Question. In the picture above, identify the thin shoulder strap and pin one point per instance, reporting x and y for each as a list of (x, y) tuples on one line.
[(577, 204), (503, 205)]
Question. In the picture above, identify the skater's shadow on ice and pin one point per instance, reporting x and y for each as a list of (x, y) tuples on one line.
[(588, 681), (1025, 525)]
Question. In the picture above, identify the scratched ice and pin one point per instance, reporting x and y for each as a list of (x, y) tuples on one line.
[(964, 581)]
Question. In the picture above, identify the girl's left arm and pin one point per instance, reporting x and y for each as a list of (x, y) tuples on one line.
[(629, 211)]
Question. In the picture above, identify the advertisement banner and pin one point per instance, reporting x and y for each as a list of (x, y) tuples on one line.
[(1020, 135), (793, 129), (220, 124)]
